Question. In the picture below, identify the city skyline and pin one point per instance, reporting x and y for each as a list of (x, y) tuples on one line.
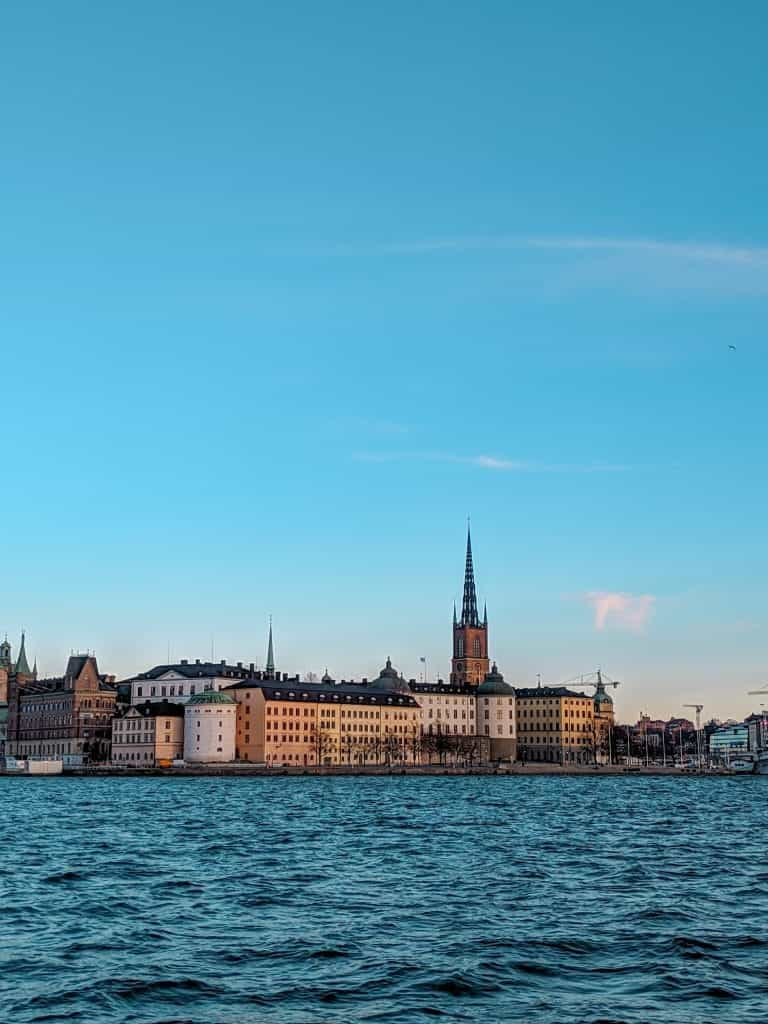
[(287, 301), (603, 608)]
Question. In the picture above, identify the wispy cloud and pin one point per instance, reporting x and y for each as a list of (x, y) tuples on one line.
[(615, 609), (706, 252), (490, 462), (658, 262)]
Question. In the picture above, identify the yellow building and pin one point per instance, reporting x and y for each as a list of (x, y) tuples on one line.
[(296, 723), (148, 734), (555, 725)]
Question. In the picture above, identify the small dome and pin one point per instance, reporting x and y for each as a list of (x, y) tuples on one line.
[(601, 697), (211, 697), (494, 686), (389, 679)]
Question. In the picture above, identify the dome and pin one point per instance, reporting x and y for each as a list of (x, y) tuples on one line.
[(389, 679), (494, 686), (601, 697), (211, 697)]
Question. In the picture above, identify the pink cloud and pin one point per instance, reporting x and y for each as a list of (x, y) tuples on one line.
[(622, 611)]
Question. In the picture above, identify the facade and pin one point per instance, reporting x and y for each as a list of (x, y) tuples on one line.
[(604, 721), (555, 725), (148, 734), (298, 723), (469, 662), (65, 715), (496, 716), (728, 741), (178, 682), (210, 727)]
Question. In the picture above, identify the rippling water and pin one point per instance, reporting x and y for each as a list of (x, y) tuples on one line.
[(300, 900)]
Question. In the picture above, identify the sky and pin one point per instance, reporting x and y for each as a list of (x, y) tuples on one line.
[(289, 291)]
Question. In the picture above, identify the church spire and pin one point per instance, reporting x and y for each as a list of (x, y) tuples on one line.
[(22, 665), (469, 604), (270, 652)]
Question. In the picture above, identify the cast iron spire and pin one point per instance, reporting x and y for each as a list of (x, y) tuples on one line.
[(270, 652), (469, 605)]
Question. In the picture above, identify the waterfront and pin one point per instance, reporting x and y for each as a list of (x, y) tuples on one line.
[(299, 900)]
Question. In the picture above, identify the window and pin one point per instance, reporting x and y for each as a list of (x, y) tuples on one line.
[(476, 650), (139, 691)]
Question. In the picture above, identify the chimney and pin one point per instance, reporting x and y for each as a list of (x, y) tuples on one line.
[(184, 661), (239, 664), (197, 661)]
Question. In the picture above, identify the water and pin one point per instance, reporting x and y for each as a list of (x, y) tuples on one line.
[(302, 900)]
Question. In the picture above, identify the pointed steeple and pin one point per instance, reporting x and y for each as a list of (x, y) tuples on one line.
[(34, 668), (270, 652), (22, 665), (455, 620), (485, 614), (469, 604)]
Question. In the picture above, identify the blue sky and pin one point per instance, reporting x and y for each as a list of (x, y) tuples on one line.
[(286, 294)]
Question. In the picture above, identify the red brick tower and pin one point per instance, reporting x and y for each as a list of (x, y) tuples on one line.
[(469, 664)]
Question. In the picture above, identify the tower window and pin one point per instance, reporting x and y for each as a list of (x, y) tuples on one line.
[(460, 647), (476, 647)]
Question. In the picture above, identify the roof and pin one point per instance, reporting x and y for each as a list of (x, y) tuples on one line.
[(390, 679), (211, 697), (197, 670), (494, 685), (318, 693), (547, 691), (160, 709)]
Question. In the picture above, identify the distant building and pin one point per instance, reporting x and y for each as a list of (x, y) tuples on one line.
[(148, 734), (496, 715), (757, 731), (300, 723), (555, 725), (728, 741), (65, 715), (184, 679), (210, 727)]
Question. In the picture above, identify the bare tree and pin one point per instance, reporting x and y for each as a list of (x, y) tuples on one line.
[(322, 742)]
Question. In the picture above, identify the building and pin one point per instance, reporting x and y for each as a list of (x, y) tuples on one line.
[(148, 734), (300, 724), (210, 727), (728, 741), (66, 715), (469, 662), (555, 725), (496, 716), (184, 679), (604, 721)]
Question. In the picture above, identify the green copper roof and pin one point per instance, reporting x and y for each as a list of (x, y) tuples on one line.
[(494, 685), (22, 665), (211, 697)]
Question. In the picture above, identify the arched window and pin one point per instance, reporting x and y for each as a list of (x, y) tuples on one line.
[(460, 647)]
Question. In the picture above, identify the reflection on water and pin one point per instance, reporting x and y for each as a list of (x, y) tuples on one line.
[(300, 900)]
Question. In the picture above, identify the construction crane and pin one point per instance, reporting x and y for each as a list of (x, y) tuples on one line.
[(699, 708), (759, 693), (598, 679)]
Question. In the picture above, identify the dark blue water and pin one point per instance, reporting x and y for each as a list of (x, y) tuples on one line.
[(300, 900)]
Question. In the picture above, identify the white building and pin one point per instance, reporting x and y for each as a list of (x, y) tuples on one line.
[(185, 679), (210, 727), (496, 715)]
